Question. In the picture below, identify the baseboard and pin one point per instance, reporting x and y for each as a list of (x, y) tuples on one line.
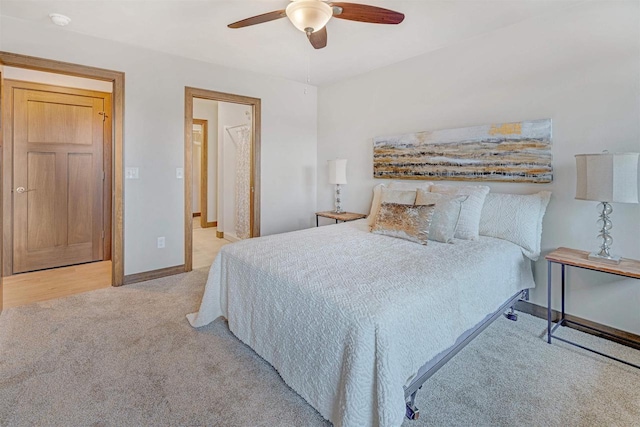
[(211, 224), (231, 237), (153, 274), (541, 312), (196, 214), (220, 234)]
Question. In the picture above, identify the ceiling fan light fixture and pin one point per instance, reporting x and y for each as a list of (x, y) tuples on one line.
[(309, 15)]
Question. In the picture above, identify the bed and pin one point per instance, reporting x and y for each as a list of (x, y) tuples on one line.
[(353, 321)]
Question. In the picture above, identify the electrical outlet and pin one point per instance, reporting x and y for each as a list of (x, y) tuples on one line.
[(160, 242), (132, 173), (179, 173)]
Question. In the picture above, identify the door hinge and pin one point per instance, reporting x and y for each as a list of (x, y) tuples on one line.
[(104, 115), (102, 234), (103, 175)]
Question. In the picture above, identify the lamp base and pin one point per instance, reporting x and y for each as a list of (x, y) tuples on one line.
[(605, 225), (611, 259), (338, 201)]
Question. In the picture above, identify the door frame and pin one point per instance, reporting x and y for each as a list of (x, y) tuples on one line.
[(117, 143), (254, 201)]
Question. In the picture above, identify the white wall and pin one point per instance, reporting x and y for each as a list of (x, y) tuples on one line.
[(580, 67), (206, 109), (56, 79), (33, 76), (154, 135)]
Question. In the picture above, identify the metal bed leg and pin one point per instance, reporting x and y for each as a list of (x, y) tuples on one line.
[(511, 315), (412, 412)]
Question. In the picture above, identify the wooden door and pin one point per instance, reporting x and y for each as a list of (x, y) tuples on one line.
[(57, 179)]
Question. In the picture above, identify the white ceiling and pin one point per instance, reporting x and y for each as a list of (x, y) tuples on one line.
[(197, 29)]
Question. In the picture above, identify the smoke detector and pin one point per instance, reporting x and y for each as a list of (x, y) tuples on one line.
[(59, 19)]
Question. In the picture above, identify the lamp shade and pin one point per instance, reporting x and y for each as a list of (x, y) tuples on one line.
[(607, 177), (309, 15), (338, 171)]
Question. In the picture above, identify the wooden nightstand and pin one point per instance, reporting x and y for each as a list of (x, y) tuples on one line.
[(580, 259), (344, 216)]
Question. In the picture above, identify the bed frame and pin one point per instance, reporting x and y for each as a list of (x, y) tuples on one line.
[(411, 390)]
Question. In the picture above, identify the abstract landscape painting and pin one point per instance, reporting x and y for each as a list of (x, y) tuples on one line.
[(513, 152)]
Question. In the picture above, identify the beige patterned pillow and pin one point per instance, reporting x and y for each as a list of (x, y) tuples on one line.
[(413, 185), (401, 197), (375, 204), (469, 223), (381, 193), (445, 216), (403, 221)]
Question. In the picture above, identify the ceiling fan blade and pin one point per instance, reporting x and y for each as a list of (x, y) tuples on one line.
[(366, 13), (318, 38), (259, 19)]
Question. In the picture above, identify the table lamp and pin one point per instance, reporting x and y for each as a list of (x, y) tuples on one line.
[(606, 178), (338, 176)]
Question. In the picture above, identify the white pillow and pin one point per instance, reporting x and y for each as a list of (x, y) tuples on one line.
[(445, 216), (516, 218), (401, 185), (375, 204), (469, 222)]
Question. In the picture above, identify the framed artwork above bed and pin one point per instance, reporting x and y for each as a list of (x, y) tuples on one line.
[(509, 152)]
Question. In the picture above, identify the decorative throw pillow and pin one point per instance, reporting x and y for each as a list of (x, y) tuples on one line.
[(409, 222), (516, 218), (469, 222), (381, 194), (401, 185), (401, 197), (445, 216), (375, 204)]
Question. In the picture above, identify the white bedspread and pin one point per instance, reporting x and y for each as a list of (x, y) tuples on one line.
[(347, 316)]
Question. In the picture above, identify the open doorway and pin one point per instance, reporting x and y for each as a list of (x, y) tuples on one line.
[(221, 173), (206, 241), (204, 204), (61, 148)]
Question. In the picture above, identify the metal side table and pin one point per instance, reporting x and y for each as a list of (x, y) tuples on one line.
[(343, 216), (579, 259)]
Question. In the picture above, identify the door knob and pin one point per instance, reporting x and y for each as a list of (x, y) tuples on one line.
[(21, 190)]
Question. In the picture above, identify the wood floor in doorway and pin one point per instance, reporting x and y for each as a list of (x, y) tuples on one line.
[(27, 288), (205, 245)]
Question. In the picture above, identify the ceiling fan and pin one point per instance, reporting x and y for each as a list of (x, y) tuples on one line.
[(311, 17)]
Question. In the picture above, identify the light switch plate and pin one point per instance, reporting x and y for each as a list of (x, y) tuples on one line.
[(179, 173), (132, 173), (161, 242)]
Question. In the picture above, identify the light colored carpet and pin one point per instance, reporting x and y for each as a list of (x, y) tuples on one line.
[(127, 356)]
